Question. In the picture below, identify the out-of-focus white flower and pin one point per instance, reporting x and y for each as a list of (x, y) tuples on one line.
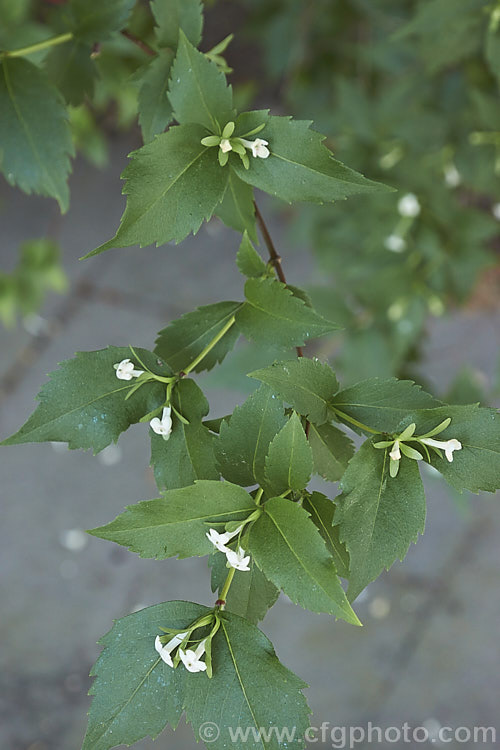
[(452, 176), (163, 426), (409, 206), (395, 243), (125, 370), (496, 211)]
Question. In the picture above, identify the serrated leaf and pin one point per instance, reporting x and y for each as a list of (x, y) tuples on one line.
[(300, 167), (173, 15), (378, 516), (188, 454), (322, 511), (477, 465), (35, 139), (248, 259), (289, 462), (95, 21), (173, 184), (382, 404), (249, 688), (290, 552), (198, 91), (244, 441), (185, 338), (135, 693), (331, 449), (177, 523), (274, 315), (236, 209), (251, 595), (307, 385), (71, 68), (155, 110), (84, 404)]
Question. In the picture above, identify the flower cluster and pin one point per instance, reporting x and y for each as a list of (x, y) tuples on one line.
[(235, 559), (399, 445), (239, 144), (192, 660)]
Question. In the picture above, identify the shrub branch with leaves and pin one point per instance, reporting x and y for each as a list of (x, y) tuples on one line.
[(233, 488)]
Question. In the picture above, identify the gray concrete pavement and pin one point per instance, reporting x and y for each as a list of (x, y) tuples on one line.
[(428, 653)]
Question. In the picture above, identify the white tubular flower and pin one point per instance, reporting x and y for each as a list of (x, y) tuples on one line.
[(448, 446), (237, 559), (167, 649), (496, 211), (395, 454), (192, 659), (220, 540), (409, 206), (163, 426), (225, 145), (125, 370), (259, 148), (395, 243)]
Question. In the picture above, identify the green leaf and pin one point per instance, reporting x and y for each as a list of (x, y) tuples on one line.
[(249, 688), (198, 90), (251, 595), (155, 111), (322, 511), (184, 339), (274, 315), (84, 404), (71, 68), (188, 454), (248, 259), (237, 209), (173, 184), (95, 21), (477, 466), (290, 552), (307, 385), (244, 441), (383, 404), (177, 523), (378, 516), (135, 693), (35, 139), (331, 449), (173, 15), (289, 462), (300, 167)]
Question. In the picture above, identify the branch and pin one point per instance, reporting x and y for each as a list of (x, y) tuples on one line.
[(273, 255), (275, 259), (139, 43)]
